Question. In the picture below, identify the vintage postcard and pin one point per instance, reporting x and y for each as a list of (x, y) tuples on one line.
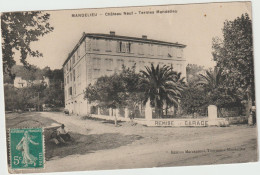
[(129, 87)]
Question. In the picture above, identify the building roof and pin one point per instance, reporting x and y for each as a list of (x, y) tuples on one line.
[(112, 36)]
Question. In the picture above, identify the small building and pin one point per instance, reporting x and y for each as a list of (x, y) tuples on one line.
[(104, 54), (20, 83)]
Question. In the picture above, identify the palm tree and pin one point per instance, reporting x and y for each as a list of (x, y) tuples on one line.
[(219, 92), (212, 79), (161, 85), (182, 85)]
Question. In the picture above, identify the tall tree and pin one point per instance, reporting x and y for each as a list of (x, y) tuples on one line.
[(218, 93), (54, 95), (19, 29), (161, 85), (194, 100), (116, 91), (193, 71), (234, 54)]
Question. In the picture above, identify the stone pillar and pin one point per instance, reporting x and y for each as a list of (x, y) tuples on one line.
[(213, 115), (212, 112), (117, 112), (148, 111), (110, 112), (98, 111), (126, 113), (250, 119)]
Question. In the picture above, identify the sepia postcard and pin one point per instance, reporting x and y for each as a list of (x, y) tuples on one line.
[(129, 87)]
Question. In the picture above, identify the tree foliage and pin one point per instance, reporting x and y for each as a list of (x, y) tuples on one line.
[(19, 30), (214, 84), (234, 55), (37, 94), (162, 86), (192, 73), (128, 89), (194, 100), (117, 90)]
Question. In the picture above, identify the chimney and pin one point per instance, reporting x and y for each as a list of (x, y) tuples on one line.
[(144, 36), (112, 32)]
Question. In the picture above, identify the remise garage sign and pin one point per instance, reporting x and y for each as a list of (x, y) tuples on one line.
[(179, 122)]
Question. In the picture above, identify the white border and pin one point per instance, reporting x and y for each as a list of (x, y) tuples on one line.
[(23, 5)]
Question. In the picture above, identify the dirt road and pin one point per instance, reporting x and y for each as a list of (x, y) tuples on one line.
[(157, 146)]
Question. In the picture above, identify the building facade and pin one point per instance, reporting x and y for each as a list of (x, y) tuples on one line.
[(104, 54)]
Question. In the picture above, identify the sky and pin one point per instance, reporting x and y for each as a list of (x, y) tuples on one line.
[(193, 25)]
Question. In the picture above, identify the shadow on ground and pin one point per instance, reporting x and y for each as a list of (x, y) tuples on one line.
[(84, 144)]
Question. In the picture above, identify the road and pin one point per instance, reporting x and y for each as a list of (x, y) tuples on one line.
[(158, 146)]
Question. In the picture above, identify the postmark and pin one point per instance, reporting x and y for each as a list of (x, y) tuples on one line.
[(26, 148)]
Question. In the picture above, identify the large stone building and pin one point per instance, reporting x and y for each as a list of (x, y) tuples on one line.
[(103, 54)]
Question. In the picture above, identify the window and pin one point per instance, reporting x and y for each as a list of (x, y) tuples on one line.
[(131, 63), (124, 47), (178, 67), (109, 64), (150, 49), (96, 63), (96, 67), (108, 46), (79, 75), (128, 48), (74, 78), (120, 63), (170, 51), (78, 53), (140, 49), (65, 81), (68, 79), (151, 63), (159, 50), (96, 73), (174, 67), (70, 64), (141, 64), (75, 92), (161, 64), (67, 66), (70, 91), (95, 44), (85, 46), (179, 52), (119, 46), (79, 70), (73, 59), (70, 76)]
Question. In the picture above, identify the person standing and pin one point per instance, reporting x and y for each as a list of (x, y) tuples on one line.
[(23, 146)]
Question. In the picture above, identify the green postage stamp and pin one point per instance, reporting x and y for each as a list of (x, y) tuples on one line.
[(26, 148)]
